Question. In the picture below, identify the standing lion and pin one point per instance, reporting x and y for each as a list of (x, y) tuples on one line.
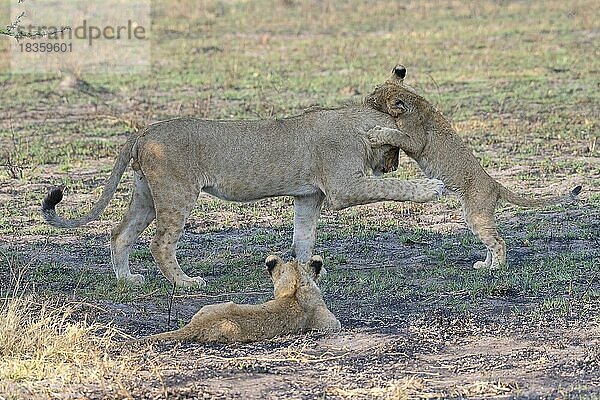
[(317, 156)]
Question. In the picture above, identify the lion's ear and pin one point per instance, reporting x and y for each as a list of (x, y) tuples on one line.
[(398, 74), (399, 71), (316, 266), (271, 262)]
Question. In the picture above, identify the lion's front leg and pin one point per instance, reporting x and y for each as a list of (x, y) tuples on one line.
[(352, 192), (381, 135), (306, 214)]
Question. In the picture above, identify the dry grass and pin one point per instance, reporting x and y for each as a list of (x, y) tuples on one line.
[(40, 341), (408, 388), (43, 347), (485, 389)]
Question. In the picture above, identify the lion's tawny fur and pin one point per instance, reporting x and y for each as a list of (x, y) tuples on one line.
[(426, 136), (298, 306), (322, 154)]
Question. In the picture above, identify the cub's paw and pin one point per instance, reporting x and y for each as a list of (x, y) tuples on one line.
[(326, 322), (328, 327), (377, 135), (480, 265), (335, 326), (437, 186), (491, 265)]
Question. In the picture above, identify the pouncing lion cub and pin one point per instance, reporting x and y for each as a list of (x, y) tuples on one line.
[(427, 137), (298, 307)]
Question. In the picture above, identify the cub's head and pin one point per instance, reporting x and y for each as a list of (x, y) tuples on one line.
[(413, 114), (394, 97), (290, 277)]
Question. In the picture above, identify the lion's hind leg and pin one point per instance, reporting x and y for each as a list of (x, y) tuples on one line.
[(172, 209), (480, 220), (137, 218)]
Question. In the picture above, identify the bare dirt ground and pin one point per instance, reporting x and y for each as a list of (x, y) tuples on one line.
[(420, 344)]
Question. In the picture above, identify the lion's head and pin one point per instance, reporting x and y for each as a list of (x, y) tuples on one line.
[(413, 113), (297, 280), (289, 277), (394, 97)]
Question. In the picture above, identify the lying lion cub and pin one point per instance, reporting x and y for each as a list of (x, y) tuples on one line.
[(298, 307), (427, 137)]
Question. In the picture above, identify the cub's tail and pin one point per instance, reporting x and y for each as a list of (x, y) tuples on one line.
[(180, 334), (55, 195), (527, 201)]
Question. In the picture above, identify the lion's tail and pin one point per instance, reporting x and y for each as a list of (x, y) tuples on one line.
[(182, 334), (55, 195), (527, 201)]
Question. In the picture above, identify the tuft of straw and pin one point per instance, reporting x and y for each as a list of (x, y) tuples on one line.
[(40, 342), (408, 388)]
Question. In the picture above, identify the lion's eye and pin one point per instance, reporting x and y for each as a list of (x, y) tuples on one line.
[(401, 104)]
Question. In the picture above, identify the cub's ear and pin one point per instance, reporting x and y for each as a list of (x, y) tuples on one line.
[(271, 262), (316, 266), (399, 71)]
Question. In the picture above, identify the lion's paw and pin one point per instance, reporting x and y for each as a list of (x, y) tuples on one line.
[(437, 186), (188, 282), (491, 265), (333, 327), (374, 136), (378, 134), (432, 189), (480, 265), (133, 279)]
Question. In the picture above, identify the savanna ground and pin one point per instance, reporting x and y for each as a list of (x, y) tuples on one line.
[(520, 81)]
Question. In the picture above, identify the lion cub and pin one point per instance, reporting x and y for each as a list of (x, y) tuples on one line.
[(427, 137), (298, 307)]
